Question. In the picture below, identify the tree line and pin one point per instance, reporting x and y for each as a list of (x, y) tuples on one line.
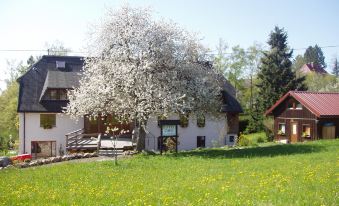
[(261, 77)]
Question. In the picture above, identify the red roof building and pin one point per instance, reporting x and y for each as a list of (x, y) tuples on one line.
[(312, 67), (300, 115)]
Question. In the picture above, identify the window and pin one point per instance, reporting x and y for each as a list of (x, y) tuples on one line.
[(200, 120), (200, 141), (231, 138), (306, 131), (56, 94), (43, 149), (47, 121), (281, 129), (63, 95), (299, 106), (183, 120), (53, 94), (290, 105)]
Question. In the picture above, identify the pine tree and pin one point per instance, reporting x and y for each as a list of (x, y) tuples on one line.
[(335, 68), (315, 55), (275, 75)]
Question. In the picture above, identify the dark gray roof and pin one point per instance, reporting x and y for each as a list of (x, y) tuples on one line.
[(60, 80), (44, 74), (231, 104)]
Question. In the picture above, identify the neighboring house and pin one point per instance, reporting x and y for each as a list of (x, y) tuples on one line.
[(300, 116), (312, 68), (43, 126)]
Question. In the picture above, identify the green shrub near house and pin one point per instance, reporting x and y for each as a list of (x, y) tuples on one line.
[(252, 139)]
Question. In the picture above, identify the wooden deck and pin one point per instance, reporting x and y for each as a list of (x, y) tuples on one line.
[(78, 141)]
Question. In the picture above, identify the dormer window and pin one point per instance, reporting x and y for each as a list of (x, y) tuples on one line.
[(56, 94)]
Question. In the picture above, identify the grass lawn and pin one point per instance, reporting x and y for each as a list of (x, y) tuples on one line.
[(299, 174)]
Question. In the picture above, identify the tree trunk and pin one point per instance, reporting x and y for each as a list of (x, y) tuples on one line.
[(141, 138)]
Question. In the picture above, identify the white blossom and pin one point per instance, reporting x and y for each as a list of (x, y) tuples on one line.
[(141, 67)]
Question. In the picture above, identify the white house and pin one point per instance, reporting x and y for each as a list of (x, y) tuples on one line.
[(43, 126)]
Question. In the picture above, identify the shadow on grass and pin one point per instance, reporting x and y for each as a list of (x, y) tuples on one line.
[(266, 151)]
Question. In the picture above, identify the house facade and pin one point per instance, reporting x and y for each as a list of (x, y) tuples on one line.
[(301, 116), (43, 125)]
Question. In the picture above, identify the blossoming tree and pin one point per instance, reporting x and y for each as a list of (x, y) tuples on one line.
[(141, 67)]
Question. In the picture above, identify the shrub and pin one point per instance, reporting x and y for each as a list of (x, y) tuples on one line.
[(261, 139), (244, 141), (269, 134)]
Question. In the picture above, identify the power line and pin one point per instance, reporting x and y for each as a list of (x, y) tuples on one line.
[(335, 46), (249, 52), (211, 51)]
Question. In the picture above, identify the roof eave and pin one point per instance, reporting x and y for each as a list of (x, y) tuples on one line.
[(270, 110)]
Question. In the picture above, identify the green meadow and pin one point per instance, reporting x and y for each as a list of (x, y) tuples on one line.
[(269, 174)]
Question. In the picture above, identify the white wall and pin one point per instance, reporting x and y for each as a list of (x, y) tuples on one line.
[(215, 132), (33, 131)]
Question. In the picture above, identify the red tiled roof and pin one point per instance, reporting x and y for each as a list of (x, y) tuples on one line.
[(322, 104), (312, 67)]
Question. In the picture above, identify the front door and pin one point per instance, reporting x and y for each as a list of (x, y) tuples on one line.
[(294, 132)]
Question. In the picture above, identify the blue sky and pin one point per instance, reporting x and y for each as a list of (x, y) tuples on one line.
[(29, 25)]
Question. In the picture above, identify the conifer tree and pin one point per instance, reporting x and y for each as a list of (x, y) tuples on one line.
[(315, 55), (335, 68), (275, 72), (275, 76)]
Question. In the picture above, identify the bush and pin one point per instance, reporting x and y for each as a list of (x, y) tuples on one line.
[(244, 141), (269, 134), (269, 128), (261, 139), (254, 125)]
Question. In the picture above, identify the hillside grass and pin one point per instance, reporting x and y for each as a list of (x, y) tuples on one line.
[(299, 174)]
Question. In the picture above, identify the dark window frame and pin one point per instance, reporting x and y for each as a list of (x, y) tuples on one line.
[(283, 133), (201, 120), (184, 120), (302, 127), (57, 94), (47, 121), (201, 141)]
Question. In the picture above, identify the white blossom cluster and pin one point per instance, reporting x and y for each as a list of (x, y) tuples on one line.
[(141, 67)]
